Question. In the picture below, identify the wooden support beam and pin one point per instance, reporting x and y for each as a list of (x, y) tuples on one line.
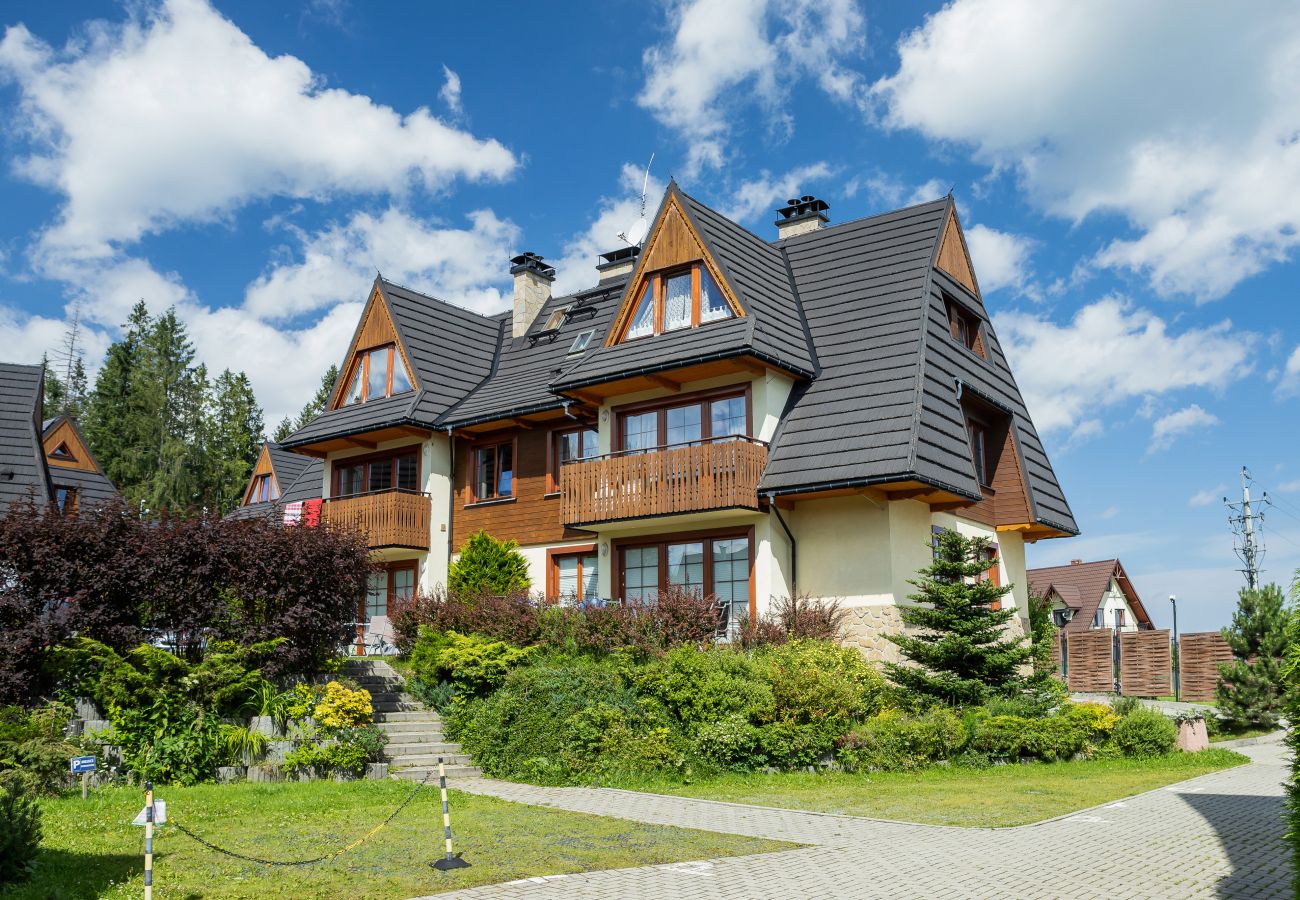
[(358, 442), (948, 505), (589, 399), (664, 382), (1027, 526), (526, 426), (783, 503), (911, 494), (750, 366), (412, 431), (314, 454)]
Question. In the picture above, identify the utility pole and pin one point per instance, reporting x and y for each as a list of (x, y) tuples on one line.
[(1242, 518)]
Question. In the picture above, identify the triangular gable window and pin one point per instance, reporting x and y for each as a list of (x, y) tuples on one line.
[(643, 321), (62, 452), (713, 306), (376, 373)]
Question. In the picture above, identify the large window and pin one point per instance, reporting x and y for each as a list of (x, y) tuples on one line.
[(573, 445), (714, 565), (384, 588), (677, 299), (264, 489), (575, 576), (399, 470), (683, 422), (376, 373), (494, 471)]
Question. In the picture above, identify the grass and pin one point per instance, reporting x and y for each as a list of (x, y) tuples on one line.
[(1229, 732), (91, 850), (994, 797)]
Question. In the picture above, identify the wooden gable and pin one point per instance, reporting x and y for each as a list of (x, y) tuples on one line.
[(375, 329), (263, 467), (953, 257), (64, 448), (672, 242)]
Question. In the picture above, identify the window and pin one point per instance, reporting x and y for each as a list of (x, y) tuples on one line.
[(494, 471), (965, 327), (979, 450), (641, 573), (383, 589), (62, 452), (1097, 620), (65, 498), (717, 566), (383, 472), (683, 423), (575, 577), (1119, 618), (264, 489), (556, 319), (677, 299), (581, 341), (376, 373), (1060, 617), (570, 446)]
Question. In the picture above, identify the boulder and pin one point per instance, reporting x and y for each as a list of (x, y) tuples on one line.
[(1193, 736)]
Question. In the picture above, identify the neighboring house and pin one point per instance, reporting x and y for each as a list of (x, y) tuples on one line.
[(1091, 595), (278, 478), (746, 417), (44, 461)]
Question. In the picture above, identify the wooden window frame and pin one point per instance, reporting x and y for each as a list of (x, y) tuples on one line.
[(272, 488), (553, 557), (471, 485), (980, 456), (365, 460), (63, 453), (656, 282), (661, 405), (618, 545), (361, 362), (958, 314), (69, 506), (553, 454)]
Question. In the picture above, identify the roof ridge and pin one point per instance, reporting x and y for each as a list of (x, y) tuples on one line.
[(826, 229), (447, 303)]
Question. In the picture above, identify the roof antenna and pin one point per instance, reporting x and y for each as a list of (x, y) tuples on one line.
[(952, 188), (634, 235)]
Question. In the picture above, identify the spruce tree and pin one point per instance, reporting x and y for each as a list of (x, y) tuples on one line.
[(1250, 689), (113, 426), (236, 437), (958, 644), (56, 392)]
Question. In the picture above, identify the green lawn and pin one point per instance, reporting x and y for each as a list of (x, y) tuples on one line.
[(91, 850), (994, 797), (1232, 733)]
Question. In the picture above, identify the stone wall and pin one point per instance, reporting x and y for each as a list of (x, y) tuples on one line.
[(865, 628)]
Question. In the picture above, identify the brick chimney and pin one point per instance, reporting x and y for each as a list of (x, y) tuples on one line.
[(533, 279), (1076, 562), (618, 263), (801, 215)]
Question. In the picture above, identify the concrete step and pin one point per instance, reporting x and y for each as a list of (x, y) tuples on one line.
[(428, 760), (454, 773), (387, 717), (389, 706), (406, 738), (421, 748), (395, 728)]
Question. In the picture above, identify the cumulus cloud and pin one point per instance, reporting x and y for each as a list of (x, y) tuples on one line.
[(1000, 258), (1111, 353), (576, 268), (1289, 382), (450, 92), (723, 50), (1187, 130), (1207, 496), (1171, 427), (760, 196), (176, 116)]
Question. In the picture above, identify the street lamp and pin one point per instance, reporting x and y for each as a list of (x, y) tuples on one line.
[(1178, 668)]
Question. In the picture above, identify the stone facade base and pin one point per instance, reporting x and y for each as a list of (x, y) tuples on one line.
[(865, 628)]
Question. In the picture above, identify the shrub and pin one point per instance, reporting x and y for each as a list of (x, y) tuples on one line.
[(511, 616), (896, 741), (486, 565), (800, 617), (707, 688), (1122, 706), (32, 746), (242, 746), (343, 708), (1077, 728), (1144, 733), (686, 617), (814, 682), (474, 664), (20, 832), (730, 743), (1250, 690)]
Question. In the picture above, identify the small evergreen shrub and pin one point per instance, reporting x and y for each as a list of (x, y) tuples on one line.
[(699, 688), (815, 682), (1144, 733), (1250, 690), (475, 665), (896, 741), (33, 748), (343, 708), (20, 831), (487, 565)]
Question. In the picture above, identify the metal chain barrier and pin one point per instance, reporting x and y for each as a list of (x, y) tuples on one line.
[(305, 862)]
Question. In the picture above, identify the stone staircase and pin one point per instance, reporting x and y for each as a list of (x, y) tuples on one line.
[(415, 735)]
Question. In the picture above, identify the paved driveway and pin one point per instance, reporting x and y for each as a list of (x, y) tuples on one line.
[(1220, 835)]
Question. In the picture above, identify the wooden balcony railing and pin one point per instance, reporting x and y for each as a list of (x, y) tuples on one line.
[(719, 474), (387, 518)]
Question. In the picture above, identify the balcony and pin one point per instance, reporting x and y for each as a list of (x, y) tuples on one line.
[(696, 477), (387, 518)]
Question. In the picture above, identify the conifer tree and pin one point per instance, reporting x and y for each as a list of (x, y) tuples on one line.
[(236, 437), (113, 426), (958, 643), (56, 392), (1250, 689)]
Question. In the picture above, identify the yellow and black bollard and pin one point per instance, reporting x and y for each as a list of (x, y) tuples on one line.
[(450, 861), (148, 840)]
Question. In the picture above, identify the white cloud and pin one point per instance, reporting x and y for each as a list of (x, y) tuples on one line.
[(724, 50), (1109, 512), (1111, 353), (576, 268), (177, 116), (466, 266), (1289, 383), (1187, 129), (450, 92), (1000, 258), (763, 194), (891, 192), (1207, 496), (1171, 427), (1289, 487)]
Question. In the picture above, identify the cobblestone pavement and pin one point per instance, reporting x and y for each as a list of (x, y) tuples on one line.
[(1219, 835)]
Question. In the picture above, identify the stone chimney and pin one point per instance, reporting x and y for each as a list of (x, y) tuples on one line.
[(618, 263), (801, 215), (1076, 562), (533, 279)]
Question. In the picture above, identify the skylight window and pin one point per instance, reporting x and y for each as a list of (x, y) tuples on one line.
[(581, 341), (556, 319)]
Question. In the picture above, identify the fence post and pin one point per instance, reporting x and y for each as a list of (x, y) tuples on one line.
[(148, 840), (450, 861)]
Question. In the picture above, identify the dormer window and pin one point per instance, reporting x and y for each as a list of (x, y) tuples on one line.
[(677, 299), (62, 452), (377, 373), (264, 489), (964, 327)]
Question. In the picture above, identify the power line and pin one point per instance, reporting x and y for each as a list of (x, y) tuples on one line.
[(1243, 517)]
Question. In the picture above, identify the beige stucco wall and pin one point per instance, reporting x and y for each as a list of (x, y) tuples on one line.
[(1113, 600)]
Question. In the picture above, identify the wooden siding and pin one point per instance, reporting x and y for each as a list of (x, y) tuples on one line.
[(263, 467), (706, 476), (1145, 664), (1199, 656), (953, 257), (375, 329), (1005, 501), (81, 460), (387, 518), (530, 516), (1090, 661)]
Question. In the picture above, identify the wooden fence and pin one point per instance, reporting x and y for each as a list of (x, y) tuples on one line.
[(1199, 655), (1090, 661), (1145, 664)]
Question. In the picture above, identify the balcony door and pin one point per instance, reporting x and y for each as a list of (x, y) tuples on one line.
[(395, 470), (683, 422), (718, 565)]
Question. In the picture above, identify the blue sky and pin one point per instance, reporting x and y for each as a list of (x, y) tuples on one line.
[(1128, 178)]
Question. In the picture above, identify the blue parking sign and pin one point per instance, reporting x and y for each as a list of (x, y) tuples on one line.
[(81, 764)]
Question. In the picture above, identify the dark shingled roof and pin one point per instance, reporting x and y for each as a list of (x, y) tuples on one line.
[(305, 486), (22, 458), (1081, 586), (91, 487), (286, 465)]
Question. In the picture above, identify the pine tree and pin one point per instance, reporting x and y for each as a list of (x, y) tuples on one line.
[(236, 437), (56, 392), (75, 404), (1250, 689), (959, 644), (283, 430), (113, 427)]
